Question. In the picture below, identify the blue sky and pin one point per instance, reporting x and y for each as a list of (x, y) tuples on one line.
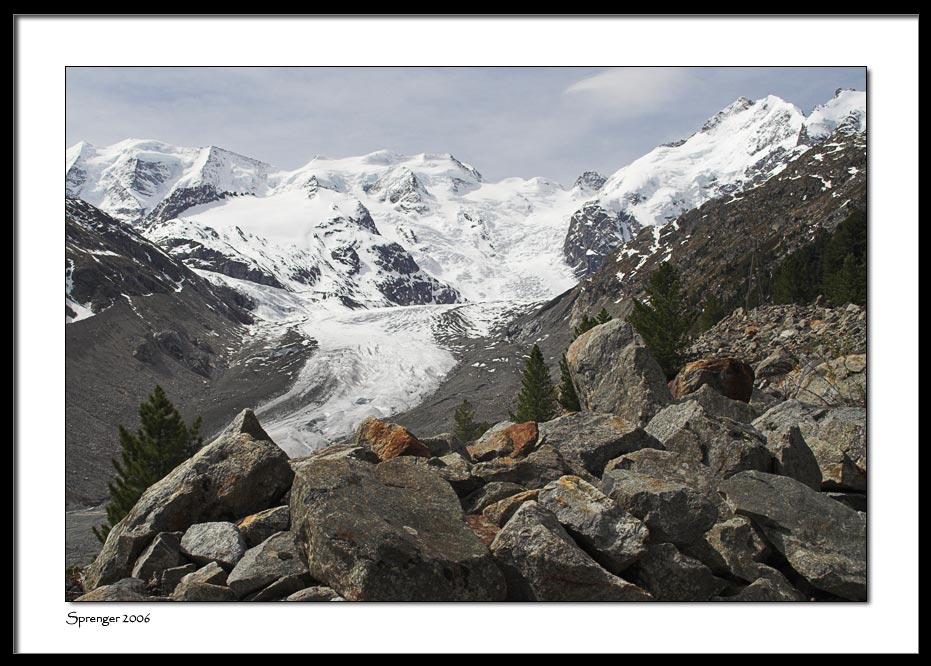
[(505, 121)]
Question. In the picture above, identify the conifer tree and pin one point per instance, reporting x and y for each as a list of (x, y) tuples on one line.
[(603, 317), (162, 443), (537, 398), (568, 396), (586, 323), (663, 320), (467, 429)]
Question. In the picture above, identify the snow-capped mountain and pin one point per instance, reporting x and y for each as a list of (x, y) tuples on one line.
[(741, 146)]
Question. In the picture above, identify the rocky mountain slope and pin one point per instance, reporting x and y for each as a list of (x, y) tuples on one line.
[(140, 318), (638, 497)]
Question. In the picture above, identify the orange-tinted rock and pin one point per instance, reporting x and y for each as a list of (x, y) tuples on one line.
[(524, 436), (484, 529), (388, 440), (513, 441), (728, 376)]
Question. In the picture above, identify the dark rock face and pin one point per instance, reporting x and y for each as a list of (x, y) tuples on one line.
[(614, 373), (672, 576), (613, 537), (394, 532), (239, 473), (594, 234), (163, 553), (183, 198), (590, 440), (728, 376), (543, 563), (197, 255), (792, 457), (823, 540), (591, 181), (404, 283)]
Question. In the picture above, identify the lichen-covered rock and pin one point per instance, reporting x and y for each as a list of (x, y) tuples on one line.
[(670, 575), (218, 542), (543, 563), (489, 494), (613, 537), (614, 373), (277, 557), (730, 377), (731, 548), (588, 441), (259, 526), (724, 445), (836, 436), (716, 404), (163, 553), (673, 511), (242, 471), (389, 532), (822, 539), (501, 511), (389, 440), (837, 382)]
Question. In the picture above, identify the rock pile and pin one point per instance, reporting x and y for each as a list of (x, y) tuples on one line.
[(639, 497)]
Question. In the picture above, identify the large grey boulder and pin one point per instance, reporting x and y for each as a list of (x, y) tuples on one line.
[(492, 443), (318, 593), (533, 471), (726, 446), (588, 441), (489, 494), (731, 548), (543, 563), (673, 511), (443, 444), (836, 437), (242, 471), (389, 532), (769, 585), (615, 373), (212, 574), (672, 576), (793, 457), (822, 539), (281, 588), (194, 591), (613, 537), (163, 553), (716, 404), (218, 542), (277, 557), (259, 526), (126, 589), (452, 468)]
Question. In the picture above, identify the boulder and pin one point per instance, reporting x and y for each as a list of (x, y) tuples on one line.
[(836, 436), (166, 581), (126, 589), (728, 376), (792, 457), (777, 364), (212, 574), (277, 557), (588, 441), (770, 585), (259, 526), (338, 451), (613, 537), (457, 472), (389, 532), (614, 373), (716, 404), (672, 511), (163, 553), (731, 548), (856, 501), (534, 471), (242, 471), (543, 563), (388, 440), (823, 540), (319, 593), (670, 575), (838, 382), (444, 444), (489, 494), (724, 445), (192, 590), (501, 511), (484, 529), (505, 439), (218, 542), (281, 588)]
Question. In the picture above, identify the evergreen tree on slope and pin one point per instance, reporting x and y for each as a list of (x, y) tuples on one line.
[(537, 398)]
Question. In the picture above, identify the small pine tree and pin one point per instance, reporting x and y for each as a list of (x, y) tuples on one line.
[(586, 323), (537, 398), (712, 312), (603, 317), (568, 396), (663, 321), (161, 444), (467, 429)]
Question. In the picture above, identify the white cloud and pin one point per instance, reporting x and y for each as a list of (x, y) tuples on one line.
[(633, 91)]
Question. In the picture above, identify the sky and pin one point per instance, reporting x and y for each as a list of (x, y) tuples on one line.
[(555, 122)]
